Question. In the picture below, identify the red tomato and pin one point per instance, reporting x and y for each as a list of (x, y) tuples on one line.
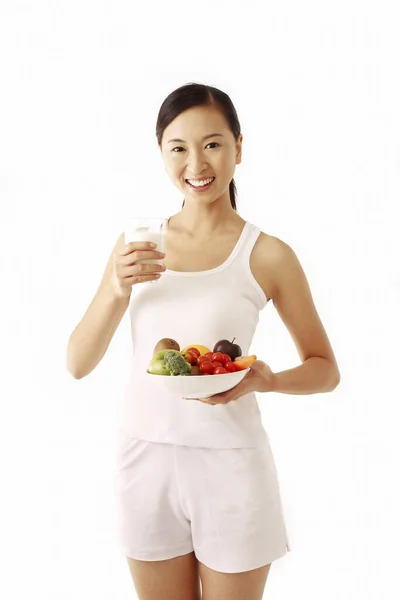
[(206, 367), (194, 360), (208, 354), (217, 356), (216, 363), (226, 358), (190, 357), (219, 371), (195, 351), (203, 359), (230, 367)]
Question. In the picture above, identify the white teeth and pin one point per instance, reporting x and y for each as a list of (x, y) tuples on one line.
[(200, 183)]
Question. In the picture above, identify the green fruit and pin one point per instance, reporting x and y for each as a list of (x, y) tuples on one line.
[(157, 367), (160, 355)]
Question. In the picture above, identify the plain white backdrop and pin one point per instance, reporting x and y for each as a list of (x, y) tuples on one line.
[(316, 88)]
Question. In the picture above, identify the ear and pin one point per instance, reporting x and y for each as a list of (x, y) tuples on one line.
[(239, 149)]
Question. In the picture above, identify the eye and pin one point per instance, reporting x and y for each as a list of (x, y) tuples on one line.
[(180, 147)]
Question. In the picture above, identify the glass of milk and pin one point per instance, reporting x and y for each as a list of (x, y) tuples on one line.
[(148, 229)]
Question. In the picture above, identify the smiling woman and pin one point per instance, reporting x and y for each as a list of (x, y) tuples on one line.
[(196, 485), (223, 502), (196, 160)]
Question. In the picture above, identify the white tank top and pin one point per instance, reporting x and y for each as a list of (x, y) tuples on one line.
[(199, 307)]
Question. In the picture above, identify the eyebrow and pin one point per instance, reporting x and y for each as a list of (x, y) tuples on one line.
[(204, 138)]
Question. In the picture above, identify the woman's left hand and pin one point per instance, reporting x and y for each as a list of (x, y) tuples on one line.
[(258, 379)]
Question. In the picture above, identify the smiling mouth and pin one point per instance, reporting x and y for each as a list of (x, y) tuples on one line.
[(201, 183)]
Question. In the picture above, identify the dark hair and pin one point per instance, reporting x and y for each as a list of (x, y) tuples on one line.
[(198, 94)]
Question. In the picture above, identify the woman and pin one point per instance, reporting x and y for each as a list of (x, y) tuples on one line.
[(196, 485)]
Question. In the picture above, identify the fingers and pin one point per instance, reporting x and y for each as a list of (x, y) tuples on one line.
[(139, 270), (133, 246), (127, 271), (132, 257)]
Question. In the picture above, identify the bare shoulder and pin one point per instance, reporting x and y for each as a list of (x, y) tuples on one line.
[(274, 248), (267, 259), (277, 255), (278, 259)]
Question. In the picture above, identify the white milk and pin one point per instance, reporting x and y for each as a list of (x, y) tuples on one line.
[(144, 235)]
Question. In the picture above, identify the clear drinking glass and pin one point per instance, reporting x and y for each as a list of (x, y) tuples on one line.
[(148, 229)]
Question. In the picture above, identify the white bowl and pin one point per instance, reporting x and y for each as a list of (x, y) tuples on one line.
[(198, 386)]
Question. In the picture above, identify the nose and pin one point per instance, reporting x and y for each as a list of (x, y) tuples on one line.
[(196, 164)]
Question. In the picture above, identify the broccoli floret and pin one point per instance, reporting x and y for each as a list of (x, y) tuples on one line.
[(169, 362), (175, 362)]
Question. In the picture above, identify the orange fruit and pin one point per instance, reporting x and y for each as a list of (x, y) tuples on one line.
[(244, 362)]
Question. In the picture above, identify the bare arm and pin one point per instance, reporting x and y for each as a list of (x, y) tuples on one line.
[(319, 371), (91, 337)]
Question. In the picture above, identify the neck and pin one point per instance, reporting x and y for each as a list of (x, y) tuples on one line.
[(199, 221)]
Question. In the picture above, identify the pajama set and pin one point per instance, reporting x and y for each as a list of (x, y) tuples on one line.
[(191, 476)]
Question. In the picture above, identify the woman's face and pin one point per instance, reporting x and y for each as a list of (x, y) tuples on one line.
[(199, 145)]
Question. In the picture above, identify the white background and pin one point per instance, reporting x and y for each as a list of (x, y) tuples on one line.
[(316, 87)]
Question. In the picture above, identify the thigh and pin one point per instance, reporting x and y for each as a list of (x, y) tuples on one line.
[(233, 586), (173, 579)]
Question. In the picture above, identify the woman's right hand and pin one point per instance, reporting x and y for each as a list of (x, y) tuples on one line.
[(127, 273)]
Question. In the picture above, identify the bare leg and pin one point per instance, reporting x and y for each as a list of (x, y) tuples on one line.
[(172, 579), (233, 586)]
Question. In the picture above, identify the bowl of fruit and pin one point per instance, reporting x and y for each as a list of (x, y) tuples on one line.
[(196, 371)]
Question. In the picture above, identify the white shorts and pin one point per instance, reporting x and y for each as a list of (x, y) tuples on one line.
[(223, 504)]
